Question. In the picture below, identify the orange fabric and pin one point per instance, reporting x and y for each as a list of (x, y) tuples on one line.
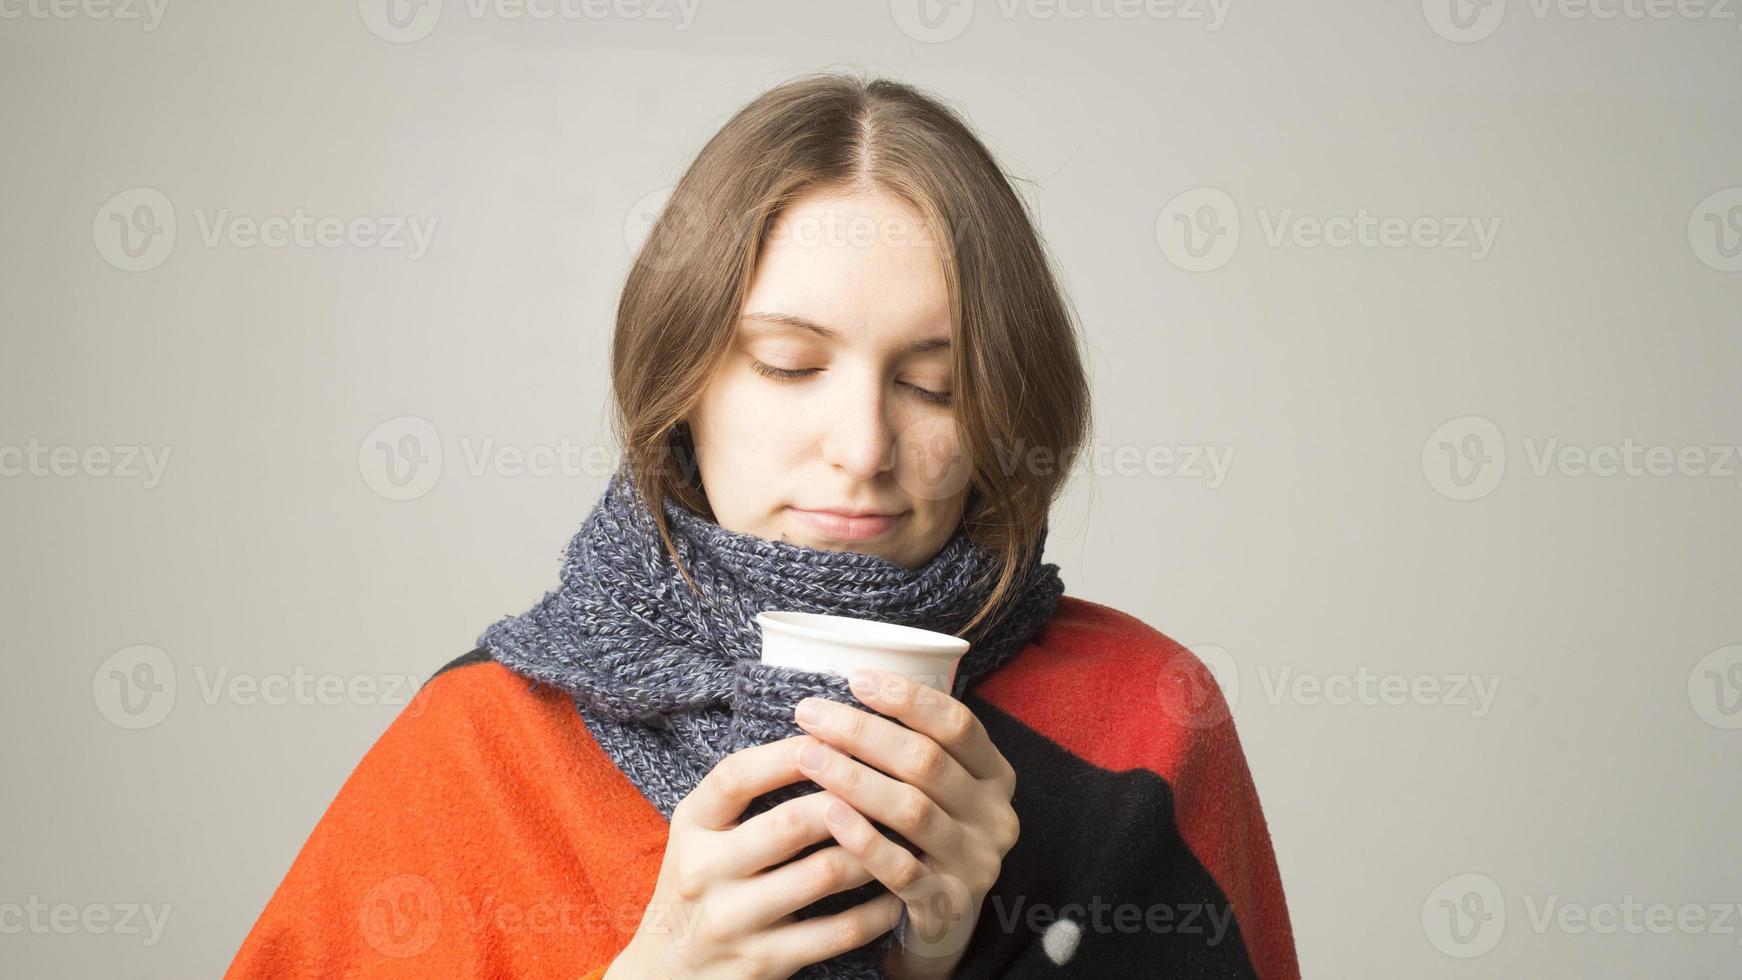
[(485, 834)]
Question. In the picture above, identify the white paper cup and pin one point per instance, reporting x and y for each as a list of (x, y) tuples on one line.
[(843, 644)]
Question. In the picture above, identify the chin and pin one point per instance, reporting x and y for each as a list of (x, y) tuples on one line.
[(878, 548)]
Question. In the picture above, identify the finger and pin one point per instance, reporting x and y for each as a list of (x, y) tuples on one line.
[(931, 712), (910, 756), (720, 798), (808, 941), (773, 836), (760, 901), (894, 866), (938, 919), (905, 809)]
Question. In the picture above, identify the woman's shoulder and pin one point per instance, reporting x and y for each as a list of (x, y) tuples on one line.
[(486, 791), (482, 676), (1082, 619), (477, 734), (478, 655), (475, 696), (1112, 688), (492, 717), (472, 703), (1097, 644)]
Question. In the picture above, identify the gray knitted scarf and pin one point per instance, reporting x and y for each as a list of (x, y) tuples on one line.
[(669, 682)]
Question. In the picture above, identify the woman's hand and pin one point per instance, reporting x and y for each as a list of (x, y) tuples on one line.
[(717, 912), (949, 795)]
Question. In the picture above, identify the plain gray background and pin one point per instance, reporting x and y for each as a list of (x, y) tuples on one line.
[(1408, 426)]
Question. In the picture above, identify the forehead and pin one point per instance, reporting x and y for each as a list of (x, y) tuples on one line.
[(862, 263)]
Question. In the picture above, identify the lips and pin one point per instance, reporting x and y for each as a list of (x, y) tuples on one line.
[(849, 526)]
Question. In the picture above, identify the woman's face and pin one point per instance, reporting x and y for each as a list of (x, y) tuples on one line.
[(851, 415)]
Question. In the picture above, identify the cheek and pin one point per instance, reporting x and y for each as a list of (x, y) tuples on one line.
[(734, 404), (745, 428)]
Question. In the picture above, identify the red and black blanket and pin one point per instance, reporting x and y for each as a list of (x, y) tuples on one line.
[(485, 834)]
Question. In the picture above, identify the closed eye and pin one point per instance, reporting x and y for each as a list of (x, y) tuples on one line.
[(793, 374), (785, 374)]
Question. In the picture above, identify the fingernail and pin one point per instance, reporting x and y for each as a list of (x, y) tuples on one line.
[(809, 711), (811, 757), (836, 813)]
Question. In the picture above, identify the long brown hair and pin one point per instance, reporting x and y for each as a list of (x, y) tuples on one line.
[(1017, 376)]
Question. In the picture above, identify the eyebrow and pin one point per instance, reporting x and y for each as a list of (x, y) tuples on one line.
[(792, 320)]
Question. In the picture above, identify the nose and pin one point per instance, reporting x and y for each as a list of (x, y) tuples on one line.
[(859, 439)]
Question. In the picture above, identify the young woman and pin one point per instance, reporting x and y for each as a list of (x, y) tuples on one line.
[(846, 382)]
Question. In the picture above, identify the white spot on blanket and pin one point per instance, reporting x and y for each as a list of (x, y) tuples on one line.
[(1060, 941)]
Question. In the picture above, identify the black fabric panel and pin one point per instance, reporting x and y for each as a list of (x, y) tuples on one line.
[(478, 656), (1090, 834)]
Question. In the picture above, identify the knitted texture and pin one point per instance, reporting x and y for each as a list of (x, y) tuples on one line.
[(669, 682)]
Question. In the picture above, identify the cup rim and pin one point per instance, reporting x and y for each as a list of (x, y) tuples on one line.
[(886, 636)]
